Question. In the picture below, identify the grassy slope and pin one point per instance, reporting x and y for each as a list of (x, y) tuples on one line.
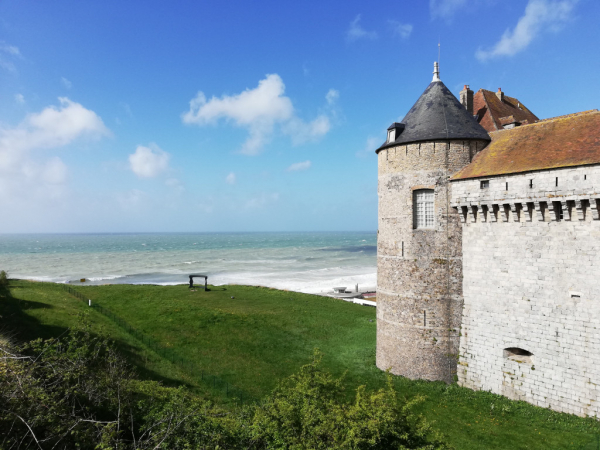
[(263, 335)]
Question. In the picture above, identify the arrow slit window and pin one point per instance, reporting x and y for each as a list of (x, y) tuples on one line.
[(423, 208)]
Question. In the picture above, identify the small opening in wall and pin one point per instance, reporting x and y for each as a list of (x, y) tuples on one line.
[(402, 248), (518, 354), (530, 184), (484, 184), (575, 296), (507, 185), (424, 318), (585, 177), (558, 210), (556, 182)]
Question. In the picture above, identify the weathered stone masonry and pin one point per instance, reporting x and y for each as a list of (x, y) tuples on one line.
[(419, 270), (531, 255), (489, 252)]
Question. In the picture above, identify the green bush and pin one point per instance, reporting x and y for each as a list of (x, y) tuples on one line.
[(77, 392), (307, 411), (3, 278)]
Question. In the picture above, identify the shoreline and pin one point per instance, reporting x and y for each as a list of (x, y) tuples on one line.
[(75, 283)]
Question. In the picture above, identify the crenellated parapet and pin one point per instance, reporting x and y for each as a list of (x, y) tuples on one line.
[(525, 210), (565, 194)]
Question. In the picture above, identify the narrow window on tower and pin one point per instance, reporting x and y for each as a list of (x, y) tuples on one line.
[(423, 209), (484, 184)]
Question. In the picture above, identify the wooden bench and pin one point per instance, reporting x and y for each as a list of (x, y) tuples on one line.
[(192, 276)]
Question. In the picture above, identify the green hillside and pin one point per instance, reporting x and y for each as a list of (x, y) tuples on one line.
[(242, 339)]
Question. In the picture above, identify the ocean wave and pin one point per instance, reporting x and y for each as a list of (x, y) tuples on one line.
[(306, 262), (106, 277), (352, 249), (40, 278)]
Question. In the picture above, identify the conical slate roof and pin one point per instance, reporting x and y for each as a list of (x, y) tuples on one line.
[(437, 115)]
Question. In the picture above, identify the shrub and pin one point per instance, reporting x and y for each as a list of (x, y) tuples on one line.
[(3, 278), (77, 392), (307, 411)]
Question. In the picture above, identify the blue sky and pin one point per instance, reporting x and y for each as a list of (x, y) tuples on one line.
[(250, 116)]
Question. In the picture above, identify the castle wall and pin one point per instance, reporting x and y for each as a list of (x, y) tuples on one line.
[(419, 271), (531, 266)]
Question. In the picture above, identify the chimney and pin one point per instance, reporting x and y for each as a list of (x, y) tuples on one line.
[(466, 99), (500, 94)]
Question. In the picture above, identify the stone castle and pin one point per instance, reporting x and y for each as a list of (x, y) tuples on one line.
[(488, 248)]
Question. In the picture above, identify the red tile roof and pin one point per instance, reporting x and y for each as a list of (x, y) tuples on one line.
[(491, 112), (564, 141)]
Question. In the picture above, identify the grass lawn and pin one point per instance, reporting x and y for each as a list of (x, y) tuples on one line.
[(253, 337)]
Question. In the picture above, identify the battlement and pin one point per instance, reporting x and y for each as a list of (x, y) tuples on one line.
[(523, 210), (568, 194)]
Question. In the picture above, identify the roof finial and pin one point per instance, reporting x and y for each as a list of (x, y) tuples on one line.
[(436, 72)]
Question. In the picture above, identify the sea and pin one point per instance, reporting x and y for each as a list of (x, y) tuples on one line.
[(311, 262)]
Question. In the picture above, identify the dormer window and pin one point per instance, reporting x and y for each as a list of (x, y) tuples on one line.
[(394, 132), (391, 135)]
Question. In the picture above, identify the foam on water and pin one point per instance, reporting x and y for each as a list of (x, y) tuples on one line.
[(305, 262)]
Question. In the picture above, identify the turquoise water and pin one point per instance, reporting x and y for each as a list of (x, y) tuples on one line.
[(305, 262)]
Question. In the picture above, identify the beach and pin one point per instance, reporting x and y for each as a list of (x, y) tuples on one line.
[(302, 262)]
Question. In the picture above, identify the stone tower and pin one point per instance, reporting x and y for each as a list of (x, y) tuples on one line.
[(419, 245)]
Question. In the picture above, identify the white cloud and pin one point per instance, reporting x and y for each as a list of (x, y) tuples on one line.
[(302, 132), (175, 185), (372, 144), (52, 127), (24, 175), (403, 30), (332, 96), (445, 8), (131, 199), (10, 52), (540, 15), (299, 166), (55, 171), (9, 49), (356, 31), (259, 110), (19, 99), (66, 83), (148, 162), (230, 179), (261, 200)]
